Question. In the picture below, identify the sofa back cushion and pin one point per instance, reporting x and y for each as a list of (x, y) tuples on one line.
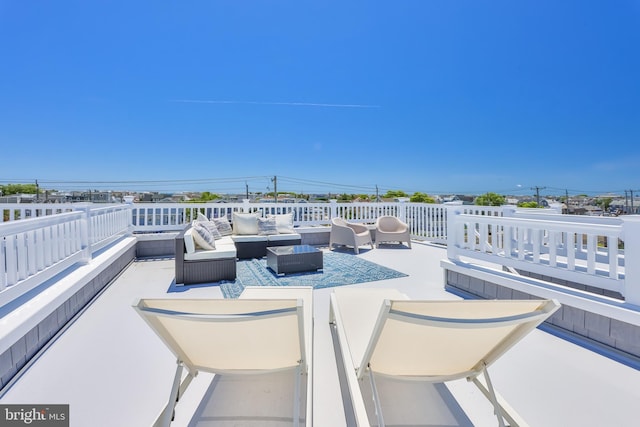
[(189, 244), (284, 223), (244, 223)]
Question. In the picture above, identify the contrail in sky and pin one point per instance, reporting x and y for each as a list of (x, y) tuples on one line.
[(294, 104)]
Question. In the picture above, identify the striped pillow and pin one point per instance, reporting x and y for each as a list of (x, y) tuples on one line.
[(203, 237), (223, 226), (267, 226), (211, 226)]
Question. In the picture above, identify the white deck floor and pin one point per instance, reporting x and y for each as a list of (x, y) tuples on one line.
[(113, 370)]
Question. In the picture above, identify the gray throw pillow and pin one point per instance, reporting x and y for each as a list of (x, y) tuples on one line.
[(211, 226), (202, 237), (267, 226), (223, 226)]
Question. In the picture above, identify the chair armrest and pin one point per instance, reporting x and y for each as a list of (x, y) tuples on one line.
[(358, 228)]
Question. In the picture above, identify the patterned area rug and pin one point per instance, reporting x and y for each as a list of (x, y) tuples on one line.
[(339, 269)]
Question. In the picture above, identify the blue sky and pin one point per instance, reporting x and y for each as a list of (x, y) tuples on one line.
[(437, 96)]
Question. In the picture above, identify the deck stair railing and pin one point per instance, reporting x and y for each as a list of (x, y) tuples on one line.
[(586, 250), (36, 248)]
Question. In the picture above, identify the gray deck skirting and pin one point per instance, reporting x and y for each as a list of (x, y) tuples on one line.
[(601, 330), (25, 348)]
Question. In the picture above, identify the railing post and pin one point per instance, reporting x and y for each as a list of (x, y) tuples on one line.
[(453, 216), (402, 210), (631, 236), (129, 219), (85, 237), (333, 205), (509, 210), (128, 200)]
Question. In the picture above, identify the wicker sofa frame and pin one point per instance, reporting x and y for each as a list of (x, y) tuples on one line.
[(201, 271), (258, 249)]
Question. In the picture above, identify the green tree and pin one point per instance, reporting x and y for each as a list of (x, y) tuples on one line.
[(604, 203), (208, 196), (419, 197), (490, 199), (528, 204), (392, 194), (18, 189), (205, 196)]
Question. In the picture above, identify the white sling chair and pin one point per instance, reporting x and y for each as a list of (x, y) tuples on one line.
[(382, 332), (268, 329)]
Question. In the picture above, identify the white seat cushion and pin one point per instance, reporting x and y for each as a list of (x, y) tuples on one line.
[(219, 253), (226, 240), (279, 237), (249, 238)]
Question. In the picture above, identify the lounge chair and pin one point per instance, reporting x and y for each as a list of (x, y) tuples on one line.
[(349, 234), (268, 329), (391, 229), (382, 333)]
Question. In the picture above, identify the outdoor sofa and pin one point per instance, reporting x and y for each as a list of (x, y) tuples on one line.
[(194, 264), (207, 250), (252, 234)]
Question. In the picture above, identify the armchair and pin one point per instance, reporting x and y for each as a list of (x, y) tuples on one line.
[(349, 234), (391, 229)]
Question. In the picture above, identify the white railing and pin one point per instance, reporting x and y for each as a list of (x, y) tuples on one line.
[(107, 224), (14, 211), (584, 250), (36, 248), (426, 221), (152, 217), (574, 248)]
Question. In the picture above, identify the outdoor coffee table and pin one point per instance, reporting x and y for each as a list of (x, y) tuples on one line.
[(294, 259)]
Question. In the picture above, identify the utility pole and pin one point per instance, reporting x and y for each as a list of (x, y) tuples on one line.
[(538, 193), (566, 199), (377, 196), (632, 211), (246, 189), (275, 188), (37, 191)]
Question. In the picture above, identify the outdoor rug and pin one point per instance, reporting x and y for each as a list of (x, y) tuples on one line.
[(339, 269)]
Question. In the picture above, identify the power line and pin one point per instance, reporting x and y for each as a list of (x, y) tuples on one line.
[(239, 184)]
